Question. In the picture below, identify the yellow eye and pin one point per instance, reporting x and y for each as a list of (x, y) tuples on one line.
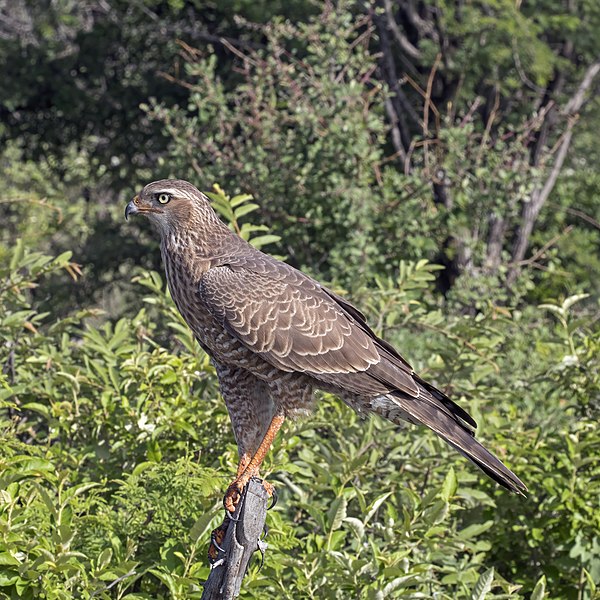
[(163, 198)]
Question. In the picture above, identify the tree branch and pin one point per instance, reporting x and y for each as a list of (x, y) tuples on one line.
[(575, 104), (402, 40), (539, 195), (392, 79), (495, 242), (395, 130), (242, 540), (423, 26)]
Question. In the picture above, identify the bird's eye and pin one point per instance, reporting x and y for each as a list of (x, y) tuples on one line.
[(163, 198)]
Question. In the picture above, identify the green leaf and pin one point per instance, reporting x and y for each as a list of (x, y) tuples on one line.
[(17, 254), (571, 300), (337, 513), (262, 240), (168, 378), (202, 524), (8, 559), (240, 199), (104, 559), (357, 527), (245, 209), (483, 585), (475, 530), (374, 507), (8, 578), (154, 452), (450, 485), (539, 591)]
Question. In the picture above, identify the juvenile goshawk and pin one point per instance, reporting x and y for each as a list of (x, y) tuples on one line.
[(275, 335)]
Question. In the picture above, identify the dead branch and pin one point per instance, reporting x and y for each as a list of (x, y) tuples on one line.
[(242, 540), (495, 242), (390, 75), (428, 104), (395, 130), (540, 253), (539, 196), (581, 215), (402, 40)]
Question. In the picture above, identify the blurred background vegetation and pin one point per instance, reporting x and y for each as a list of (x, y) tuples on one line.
[(435, 160)]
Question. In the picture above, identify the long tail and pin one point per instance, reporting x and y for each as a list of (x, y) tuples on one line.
[(440, 414)]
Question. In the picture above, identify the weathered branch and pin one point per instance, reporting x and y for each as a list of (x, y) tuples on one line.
[(402, 40), (390, 75), (495, 242), (578, 99), (539, 195), (395, 130), (540, 253), (423, 26), (242, 540)]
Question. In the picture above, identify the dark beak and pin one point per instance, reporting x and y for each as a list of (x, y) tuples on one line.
[(131, 208)]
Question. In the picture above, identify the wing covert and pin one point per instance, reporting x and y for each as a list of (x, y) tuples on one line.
[(287, 319)]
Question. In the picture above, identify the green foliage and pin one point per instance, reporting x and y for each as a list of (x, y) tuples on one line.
[(115, 450), (282, 134), (115, 447), (281, 131), (94, 64), (234, 209)]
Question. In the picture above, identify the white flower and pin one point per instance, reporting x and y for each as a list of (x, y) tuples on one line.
[(144, 425)]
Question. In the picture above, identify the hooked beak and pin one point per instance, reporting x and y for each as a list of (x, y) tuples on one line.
[(132, 207)]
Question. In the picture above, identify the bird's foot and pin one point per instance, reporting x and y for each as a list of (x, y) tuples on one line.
[(262, 547), (269, 488), (217, 538), (234, 492), (233, 496)]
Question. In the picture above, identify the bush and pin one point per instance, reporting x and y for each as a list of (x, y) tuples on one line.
[(116, 451)]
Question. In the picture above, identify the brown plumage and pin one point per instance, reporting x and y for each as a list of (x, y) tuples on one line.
[(275, 335)]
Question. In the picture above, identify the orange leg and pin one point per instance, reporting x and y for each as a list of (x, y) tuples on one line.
[(234, 491), (243, 464)]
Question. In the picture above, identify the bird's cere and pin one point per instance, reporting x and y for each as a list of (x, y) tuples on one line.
[(131, 208)]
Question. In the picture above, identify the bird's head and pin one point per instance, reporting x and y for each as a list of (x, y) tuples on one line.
[(172, 205)]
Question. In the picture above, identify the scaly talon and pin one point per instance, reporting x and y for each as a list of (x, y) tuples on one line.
[(262, 548), (217, 537), (268, 487), (232, 497), (272, 492)]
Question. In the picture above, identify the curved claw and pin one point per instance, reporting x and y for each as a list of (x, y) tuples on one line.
[(274, 498), (216, 544), (232, 518), (217, 536), (262, 547)]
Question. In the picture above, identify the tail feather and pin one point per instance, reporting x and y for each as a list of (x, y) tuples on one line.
[(454, 432), (454, 408), (490, 465)]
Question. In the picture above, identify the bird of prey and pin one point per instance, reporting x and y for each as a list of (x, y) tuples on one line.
[(275, 335)]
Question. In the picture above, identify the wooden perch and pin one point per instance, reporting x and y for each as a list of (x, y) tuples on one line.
[(242, 540)]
